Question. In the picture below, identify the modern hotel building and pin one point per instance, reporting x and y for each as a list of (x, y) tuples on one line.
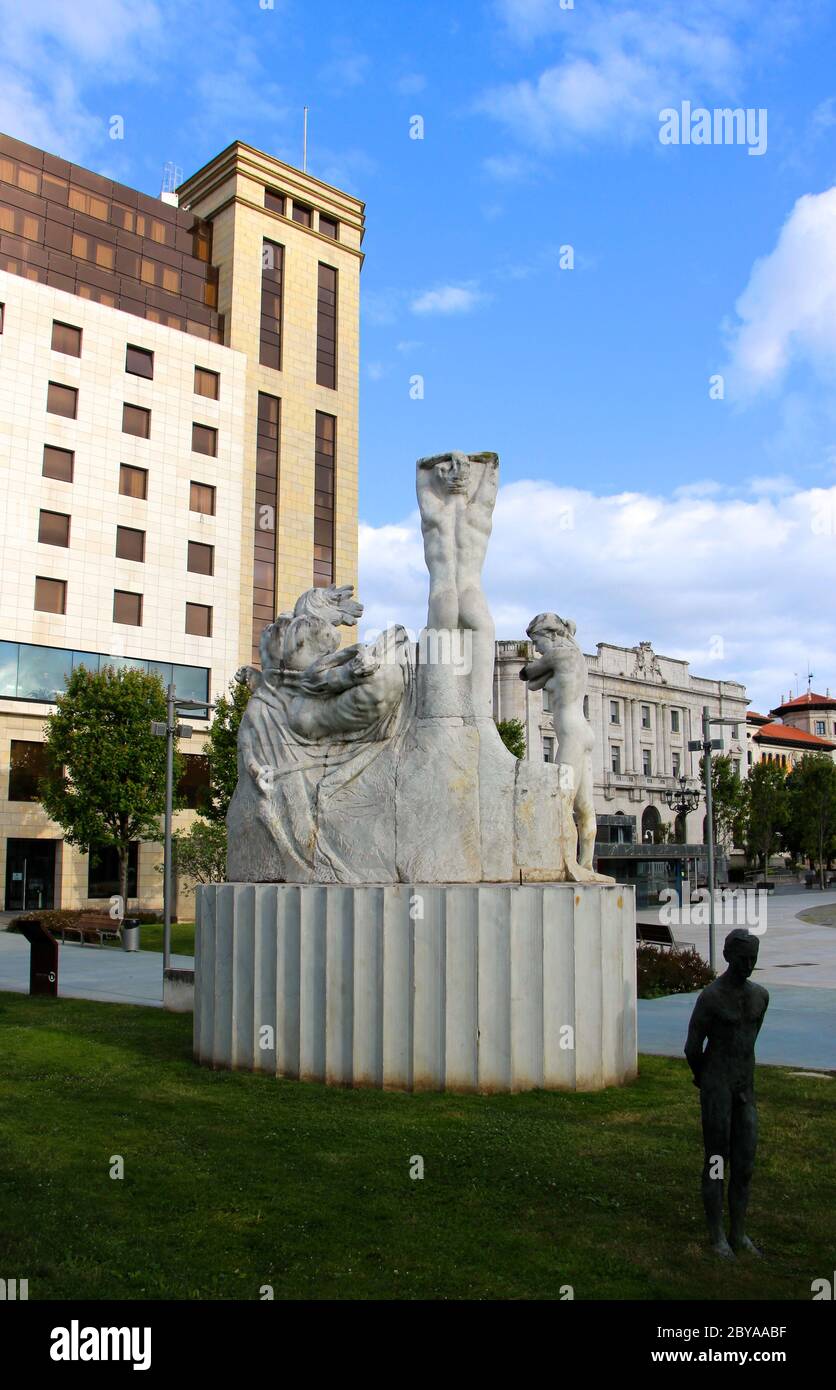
[(178, 448)]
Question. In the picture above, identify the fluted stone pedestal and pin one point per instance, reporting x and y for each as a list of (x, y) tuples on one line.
[(483, 987)]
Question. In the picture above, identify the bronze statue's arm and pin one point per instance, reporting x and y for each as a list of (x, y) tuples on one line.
[(697, 1033)]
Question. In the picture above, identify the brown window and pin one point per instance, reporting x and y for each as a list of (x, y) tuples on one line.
[(54, 528), (302, 214), (58, 463), (62, 400), (27, 765), (82, 201), (324, 462), (66, 339), (274, 200), (198, 620), (202, 498), (139, 361), (193, 786), (136, 420), (201, 558), (130, 543), (127, 608), (50, 595), (207, 383), (266, 500), (133, 482), (326, 327), (272, 273), (329, 226), (204, 440)]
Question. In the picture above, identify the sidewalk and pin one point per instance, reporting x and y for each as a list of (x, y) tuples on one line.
[(799, 1029), (92, 972)]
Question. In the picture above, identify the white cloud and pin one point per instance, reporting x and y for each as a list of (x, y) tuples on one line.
[(346, 69), (448, 299), (788, 309), (620, 67), (410, 84), (375, 371), (532, 19), (681, 571)]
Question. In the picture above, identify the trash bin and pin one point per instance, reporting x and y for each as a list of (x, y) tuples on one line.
[(43, 958), (130, 933)]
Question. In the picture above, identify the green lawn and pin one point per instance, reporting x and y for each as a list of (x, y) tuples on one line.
[(234, 1180), (151, 938), (821, 916)]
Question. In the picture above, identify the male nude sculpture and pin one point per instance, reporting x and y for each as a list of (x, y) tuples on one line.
[(456, 498), (561, 668), (729, 1013)]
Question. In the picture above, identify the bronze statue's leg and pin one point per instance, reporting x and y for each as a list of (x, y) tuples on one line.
[(744, 1142), (716, 1107)]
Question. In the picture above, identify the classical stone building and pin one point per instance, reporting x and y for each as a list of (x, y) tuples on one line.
[(806, 724), (644, 708), (178, 447)]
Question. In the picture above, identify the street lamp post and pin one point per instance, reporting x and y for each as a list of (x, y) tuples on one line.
[(170, 730), (705, 745)]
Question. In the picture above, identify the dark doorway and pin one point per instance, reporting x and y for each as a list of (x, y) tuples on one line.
[(30, 875)]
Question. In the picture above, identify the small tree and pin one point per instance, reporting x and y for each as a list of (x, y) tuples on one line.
[(222, 749), (201, 851), (765, 812), (727, 801), (105, 783), (811, 788), (512, 733)]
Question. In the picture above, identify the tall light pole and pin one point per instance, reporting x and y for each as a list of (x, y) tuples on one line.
[(705, 746), (170, 730)]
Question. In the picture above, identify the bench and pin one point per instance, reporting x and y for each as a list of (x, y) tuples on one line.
[(658, 934), (92, 926)]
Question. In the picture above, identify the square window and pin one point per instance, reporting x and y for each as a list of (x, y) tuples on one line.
[(548, 750), (139, 362), (329, 226), (133, 482), (62, 400), (130, 544), (204, 440), (274, 200), (50, 595), (137, 421), (302, 214), (645, 716), (615, 757), (66, 339), (202, 498), (58, 463), (647, 767), (201, 558), (53, 528), (28, 763), (199, 619), (127, 608), (207, 383), (674, 721), (676, 764), (615, 713)]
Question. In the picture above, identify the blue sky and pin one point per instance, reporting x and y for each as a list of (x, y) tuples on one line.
[(630, 499)]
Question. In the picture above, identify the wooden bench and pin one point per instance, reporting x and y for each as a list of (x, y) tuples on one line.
[(92, 926), (658, 934)]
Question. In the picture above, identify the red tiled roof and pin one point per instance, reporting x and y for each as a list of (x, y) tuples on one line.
[(809, 700), (756, 718), (785, 733)]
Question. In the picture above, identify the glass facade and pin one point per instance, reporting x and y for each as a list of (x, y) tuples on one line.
[(29, 672), (70, 228)]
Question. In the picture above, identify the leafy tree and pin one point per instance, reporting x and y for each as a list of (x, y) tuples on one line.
[(765, 810), (811, 788), (105, 783), (201, 851), (222, 749), (728, 799), (512, 733)]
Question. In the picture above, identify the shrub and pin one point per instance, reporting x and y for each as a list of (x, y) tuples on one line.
[(58, 919), (661, 972)]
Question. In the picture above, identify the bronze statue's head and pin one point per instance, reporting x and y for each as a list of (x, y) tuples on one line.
[(740, 949)]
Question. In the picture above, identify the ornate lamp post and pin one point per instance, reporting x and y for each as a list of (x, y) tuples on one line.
[(682, 798)]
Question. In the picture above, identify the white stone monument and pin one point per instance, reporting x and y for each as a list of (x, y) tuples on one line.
[(409, 905)]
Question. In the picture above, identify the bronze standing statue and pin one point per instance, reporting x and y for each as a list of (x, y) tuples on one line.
[(729, 1014)]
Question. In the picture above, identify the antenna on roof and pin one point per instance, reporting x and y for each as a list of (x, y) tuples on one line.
[(172, 178), (305, 141), (809, 678)]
